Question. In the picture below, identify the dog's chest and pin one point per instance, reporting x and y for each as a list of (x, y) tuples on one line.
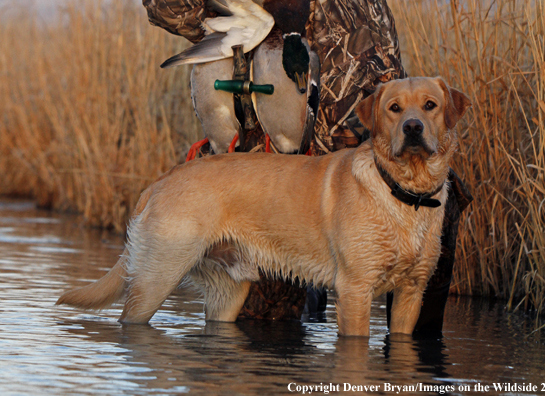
[(408, 241)]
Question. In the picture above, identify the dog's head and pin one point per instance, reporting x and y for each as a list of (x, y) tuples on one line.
[(412, 124)]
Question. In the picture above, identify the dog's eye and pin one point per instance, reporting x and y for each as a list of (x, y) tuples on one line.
[(430, 105), (395, 108)]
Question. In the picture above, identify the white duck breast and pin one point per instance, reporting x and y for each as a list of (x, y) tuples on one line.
[(245, 23), (286, 116), (214, 108)]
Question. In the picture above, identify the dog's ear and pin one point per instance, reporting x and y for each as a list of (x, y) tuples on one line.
[(457, 104), (365, 109)]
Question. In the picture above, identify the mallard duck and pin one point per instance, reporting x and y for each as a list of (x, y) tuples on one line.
[(289, 115)]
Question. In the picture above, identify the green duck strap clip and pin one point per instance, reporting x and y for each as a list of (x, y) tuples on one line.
[(243, 87)]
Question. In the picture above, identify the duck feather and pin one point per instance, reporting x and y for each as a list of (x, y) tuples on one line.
[(207, 50), (246, 24)]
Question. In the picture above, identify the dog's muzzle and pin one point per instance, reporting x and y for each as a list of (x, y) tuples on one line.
[(413, 142), (413, 130)]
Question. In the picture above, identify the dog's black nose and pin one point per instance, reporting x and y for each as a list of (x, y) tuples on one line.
[(413, 127)]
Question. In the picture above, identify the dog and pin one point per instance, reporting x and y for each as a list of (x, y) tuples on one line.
[(363, 221)]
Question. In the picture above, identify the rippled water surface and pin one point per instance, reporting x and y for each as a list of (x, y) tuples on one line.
[(45, 349)]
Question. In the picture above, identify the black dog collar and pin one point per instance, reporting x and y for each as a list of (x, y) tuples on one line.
[(408, 197)]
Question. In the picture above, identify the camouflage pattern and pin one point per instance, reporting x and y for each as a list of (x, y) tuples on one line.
[(180, 17), (358, 47), (274, 299)]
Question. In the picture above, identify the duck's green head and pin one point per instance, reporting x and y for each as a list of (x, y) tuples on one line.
[(295, 59)]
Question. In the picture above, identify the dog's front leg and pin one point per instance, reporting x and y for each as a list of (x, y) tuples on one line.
[(406, 307), (410, 289), (353, 306), (409, 293)]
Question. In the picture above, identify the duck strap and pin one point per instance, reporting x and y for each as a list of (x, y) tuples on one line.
[(250, 133)]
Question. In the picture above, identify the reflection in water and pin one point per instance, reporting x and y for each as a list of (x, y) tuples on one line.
[(45, 349)]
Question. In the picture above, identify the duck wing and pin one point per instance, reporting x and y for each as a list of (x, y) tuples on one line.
[(244, 23)]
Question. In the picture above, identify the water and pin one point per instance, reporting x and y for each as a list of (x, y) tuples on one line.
[(45, 349)]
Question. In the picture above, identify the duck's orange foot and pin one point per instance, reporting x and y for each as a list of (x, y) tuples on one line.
[(195, 149), (309, 152), (233, 144), (267, 143)]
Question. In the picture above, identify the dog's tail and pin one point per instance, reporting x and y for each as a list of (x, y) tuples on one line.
[(112, 286), (102, 293)]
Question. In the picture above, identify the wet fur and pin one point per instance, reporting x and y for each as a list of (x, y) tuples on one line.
[(328, 220)]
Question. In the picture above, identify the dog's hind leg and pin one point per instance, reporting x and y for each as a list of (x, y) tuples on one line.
[(154, 273), (225, 305), (224, 296)]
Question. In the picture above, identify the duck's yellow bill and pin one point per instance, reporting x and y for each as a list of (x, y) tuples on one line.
[(301, 79)]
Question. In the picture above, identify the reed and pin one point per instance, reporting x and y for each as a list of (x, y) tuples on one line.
[(494, 50), (88, 118)]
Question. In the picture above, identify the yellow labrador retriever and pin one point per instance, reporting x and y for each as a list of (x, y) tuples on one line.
[(362, 221)]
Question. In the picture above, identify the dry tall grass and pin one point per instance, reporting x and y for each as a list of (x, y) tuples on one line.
[(495, 51), (88, 119)]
